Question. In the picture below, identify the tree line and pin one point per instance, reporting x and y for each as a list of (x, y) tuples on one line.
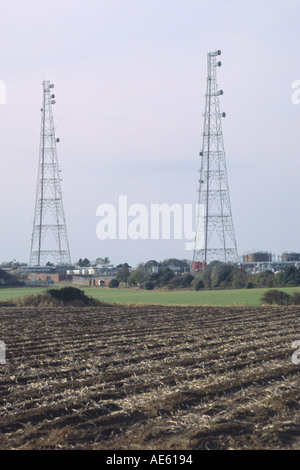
[(216, 275), (175, 274), (154, 274), (222, 275)]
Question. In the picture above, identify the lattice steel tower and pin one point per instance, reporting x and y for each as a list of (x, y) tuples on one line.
[(215, 237), (49, 235)]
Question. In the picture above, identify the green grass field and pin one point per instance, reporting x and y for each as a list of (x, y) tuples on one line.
[(159, 297), (211, 297), (16, 292)]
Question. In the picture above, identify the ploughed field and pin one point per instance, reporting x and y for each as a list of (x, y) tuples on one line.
[(150, 377)]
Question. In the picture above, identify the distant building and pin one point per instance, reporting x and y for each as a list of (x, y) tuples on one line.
[(46, 274), (257, 257), (290, 257)]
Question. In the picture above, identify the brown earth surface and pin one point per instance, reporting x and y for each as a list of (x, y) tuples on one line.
[(150, 377)]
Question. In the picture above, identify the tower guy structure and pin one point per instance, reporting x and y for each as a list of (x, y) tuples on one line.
[(215, 237), (49, 241)]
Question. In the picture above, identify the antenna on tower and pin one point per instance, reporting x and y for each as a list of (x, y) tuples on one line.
[(49, 240), (215, 237)]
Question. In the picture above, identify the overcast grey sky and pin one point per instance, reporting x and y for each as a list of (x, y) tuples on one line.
[(130, 78)]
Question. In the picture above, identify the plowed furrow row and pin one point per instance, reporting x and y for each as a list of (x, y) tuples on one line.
[(149, 377)]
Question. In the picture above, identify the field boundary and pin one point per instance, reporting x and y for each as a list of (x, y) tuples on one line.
[(135, 297)]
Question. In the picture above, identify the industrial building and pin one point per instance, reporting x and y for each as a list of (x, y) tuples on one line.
[(92, 276), (287, 257), (257, 257), (46, 274), (258, 261)]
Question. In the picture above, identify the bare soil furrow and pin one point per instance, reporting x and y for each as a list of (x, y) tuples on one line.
[(150, 377)]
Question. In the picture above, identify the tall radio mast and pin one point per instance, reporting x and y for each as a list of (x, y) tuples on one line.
[(49, 235), (215, 237)]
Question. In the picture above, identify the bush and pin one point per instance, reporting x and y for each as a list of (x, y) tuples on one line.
[(67, 294), (289, 276), (199, 284), (187, 280), (221, 275), (175, 282), (113, 283), (295, 299), (8, 280), (136, 278), (239, 278), (276, 297), (164, 276), (249, 285), (58, 298), (149, 285)]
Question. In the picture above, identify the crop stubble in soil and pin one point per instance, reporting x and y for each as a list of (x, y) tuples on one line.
[(149, 377)]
